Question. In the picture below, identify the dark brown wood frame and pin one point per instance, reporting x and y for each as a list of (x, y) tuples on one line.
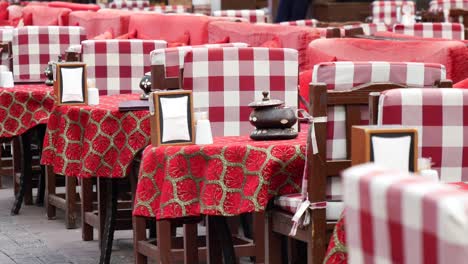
[(278, 222)]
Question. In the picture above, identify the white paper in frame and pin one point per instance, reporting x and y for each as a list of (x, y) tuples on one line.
[(175, 125), (72, 84), (392, 153)]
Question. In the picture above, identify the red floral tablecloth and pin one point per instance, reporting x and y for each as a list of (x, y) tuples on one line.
[(101, 141), (24, 107), (337, 252), (234, 175)]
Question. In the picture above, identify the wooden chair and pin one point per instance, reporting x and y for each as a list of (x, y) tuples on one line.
[(335, 106), (163, 250)]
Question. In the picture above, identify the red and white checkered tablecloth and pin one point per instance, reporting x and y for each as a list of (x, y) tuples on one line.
[(24, 107), (100, 141), (234, 175)]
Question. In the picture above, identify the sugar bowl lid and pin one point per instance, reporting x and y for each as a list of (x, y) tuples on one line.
[(266, 101)]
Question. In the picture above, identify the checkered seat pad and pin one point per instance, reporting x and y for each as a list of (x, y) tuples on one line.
[(35, 46), (368, 28), (130, 5), (388, 12), (118, 65), (306, 23), (440, 116), (439, 5), (225, 80), (178, 9), (343, 76), (395, 217), (454, 31), (173, 58), (253, 16)]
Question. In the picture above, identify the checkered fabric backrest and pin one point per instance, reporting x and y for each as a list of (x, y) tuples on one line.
[(439, 5), (130, 5), (345, 75), (225, 80), (170, 9), (307, 22), (173, 58), (396, 217), (253, 16), (368, 28), (35, 46), (432, 30), (118, 65), (388, 12), (440, 116)]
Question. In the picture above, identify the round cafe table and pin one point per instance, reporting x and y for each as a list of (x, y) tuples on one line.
[(232, 176)]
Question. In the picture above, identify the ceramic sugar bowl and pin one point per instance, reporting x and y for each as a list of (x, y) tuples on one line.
[(272, 120)]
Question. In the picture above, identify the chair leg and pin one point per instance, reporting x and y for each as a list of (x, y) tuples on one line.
[(316, 247), (26, 171), (139, 234), (163, 241), (190, 244), (259, 236), (50, 190), (103, 192), (109, 227), (41, 187), (70, 200), (1, 166), (86, 206), (273, 243), (16, 159)]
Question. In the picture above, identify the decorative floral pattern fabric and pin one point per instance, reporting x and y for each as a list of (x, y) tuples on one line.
[(337, 252), (234, 175), (101, 141), (24, 107)]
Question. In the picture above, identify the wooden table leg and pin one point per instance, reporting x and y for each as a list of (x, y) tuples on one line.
[(259, 236), (139, 234), (16, 146), (86, 206), (50, 190), (70, 200), (109, 225), (26, 171), (102, 194), (190, 244), (163, 238), (219, 241)]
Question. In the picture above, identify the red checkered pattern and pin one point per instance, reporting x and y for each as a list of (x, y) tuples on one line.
[(170, 9), (369, 28), (118, 65), (440, 116), (290, 203), (389, 12), (35, 46), (438, 5), (173, 58), (345, 75), (432, 30), (6, 36), (253, 16), (225, 80), (395, 217), (130, 5), (307, 23)]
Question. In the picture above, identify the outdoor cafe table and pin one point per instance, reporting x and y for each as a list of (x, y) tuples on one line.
[(232, 176), (22, 108)]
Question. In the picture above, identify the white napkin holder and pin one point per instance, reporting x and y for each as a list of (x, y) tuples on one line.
[(203, 135)]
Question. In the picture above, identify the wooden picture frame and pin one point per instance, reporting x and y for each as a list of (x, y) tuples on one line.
[(168, 128), (70, 77), (363, 139)]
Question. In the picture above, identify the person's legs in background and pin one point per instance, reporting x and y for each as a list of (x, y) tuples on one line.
[(284, 10), (299, 9)]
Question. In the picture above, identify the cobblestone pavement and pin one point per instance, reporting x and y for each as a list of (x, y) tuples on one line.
[(30, 238)]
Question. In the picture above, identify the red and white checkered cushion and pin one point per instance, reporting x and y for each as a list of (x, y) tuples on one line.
[(369, 28), (118, 65), (170, 9), (306, 23), (173, 58), (387, 11), (345, 75), (432, 30), (253, 16), (225, 80), (130, 5), (440, 116), (35, 46), (438, 5), (395, 217)]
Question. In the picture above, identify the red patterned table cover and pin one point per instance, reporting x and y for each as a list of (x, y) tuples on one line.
[(337, 252), (24, 107), (100, 141), (234, 175)]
